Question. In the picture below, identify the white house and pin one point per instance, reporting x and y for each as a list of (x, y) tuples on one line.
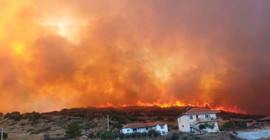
[(145, 127), (199, 120)]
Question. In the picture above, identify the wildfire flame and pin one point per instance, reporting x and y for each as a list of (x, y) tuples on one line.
[(176, 104)]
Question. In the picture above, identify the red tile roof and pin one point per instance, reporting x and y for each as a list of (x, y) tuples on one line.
[(266, 118), (199, 110), (141, 125)]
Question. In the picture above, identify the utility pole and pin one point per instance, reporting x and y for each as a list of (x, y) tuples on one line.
[(2, 133), (108, 123)]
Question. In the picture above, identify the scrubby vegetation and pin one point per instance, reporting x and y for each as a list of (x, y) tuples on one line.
[(92, 121)]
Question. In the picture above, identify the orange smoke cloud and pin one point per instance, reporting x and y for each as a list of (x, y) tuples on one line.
[(58, 54)]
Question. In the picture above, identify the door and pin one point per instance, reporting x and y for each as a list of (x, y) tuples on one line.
[(191, 129)]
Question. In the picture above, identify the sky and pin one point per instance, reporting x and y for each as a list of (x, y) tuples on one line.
[(63, 54)]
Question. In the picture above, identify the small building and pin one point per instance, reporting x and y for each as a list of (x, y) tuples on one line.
[(199, 120), (265, 120), (145, 127)]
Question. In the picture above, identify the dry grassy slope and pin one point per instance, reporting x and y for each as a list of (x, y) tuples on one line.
[(35, 125)]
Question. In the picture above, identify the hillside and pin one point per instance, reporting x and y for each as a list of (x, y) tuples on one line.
[(36, 125)]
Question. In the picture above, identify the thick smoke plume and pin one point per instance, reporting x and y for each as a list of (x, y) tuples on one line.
[(61, 54)]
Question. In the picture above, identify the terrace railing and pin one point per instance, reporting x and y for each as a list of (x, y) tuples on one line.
[(202, 120)]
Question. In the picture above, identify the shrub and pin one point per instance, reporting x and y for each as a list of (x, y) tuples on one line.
[(144, 134), (5, 135), (89, 125), (186, 137), (36, 132), (97, 134), (228, 125), (30, 130), (91, 135), (206, 125), (7, 115), (127, 136), (173, 135), (35, 122), (242, 124), (15, 116), (202, 126), (104, 135), (73, 130), (133, 135), (44, 129), (153, 133), (121, 135), (35, 116), (176, 135)]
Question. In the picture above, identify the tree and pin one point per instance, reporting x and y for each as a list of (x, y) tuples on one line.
[(73, 130)]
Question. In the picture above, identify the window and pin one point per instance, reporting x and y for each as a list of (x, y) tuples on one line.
[(134, 129), (128, 130), (191, 117), (162, 126), (207, 116), (183, 126)]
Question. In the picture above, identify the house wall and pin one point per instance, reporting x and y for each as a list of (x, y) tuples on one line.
[(163, 129), (185, 121), (202, 116), (127, 130)]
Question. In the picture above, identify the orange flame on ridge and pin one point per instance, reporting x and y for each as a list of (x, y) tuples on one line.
[(176, 104)]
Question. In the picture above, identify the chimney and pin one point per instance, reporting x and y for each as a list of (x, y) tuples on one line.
[(189, 107)]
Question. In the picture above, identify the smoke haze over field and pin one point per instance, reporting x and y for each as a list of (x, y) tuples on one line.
[(61, 54)]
